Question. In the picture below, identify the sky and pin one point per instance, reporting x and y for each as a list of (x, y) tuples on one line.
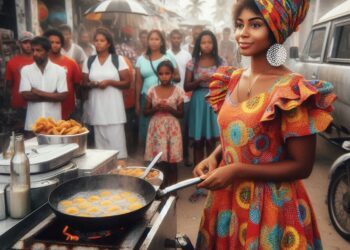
[(206, 10)]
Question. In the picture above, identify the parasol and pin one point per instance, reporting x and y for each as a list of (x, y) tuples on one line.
[(118, 6)]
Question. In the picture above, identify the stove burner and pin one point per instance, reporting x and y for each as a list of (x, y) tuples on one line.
[(77, 235), (60, 234), (53, 234), (69, 236)]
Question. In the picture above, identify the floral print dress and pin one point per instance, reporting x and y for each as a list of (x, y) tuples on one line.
[(164, 131), (252, 214)]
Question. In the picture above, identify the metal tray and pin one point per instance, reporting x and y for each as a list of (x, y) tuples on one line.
[(80, 139), (44, 158)]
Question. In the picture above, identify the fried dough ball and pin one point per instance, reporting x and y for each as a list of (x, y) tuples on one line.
[(66, 203), (92, 210), (93, 198), (122, 211), (125, 194), (114, 209), (106, 203), (132, 199), (71, 210), (51, 127), (116, 197), (135, 206), (105, 193), (79, 200), (84, 205)]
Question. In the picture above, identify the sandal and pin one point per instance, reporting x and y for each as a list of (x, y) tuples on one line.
[(196, 195)]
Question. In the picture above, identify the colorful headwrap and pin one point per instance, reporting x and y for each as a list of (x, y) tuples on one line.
[(283, 16)]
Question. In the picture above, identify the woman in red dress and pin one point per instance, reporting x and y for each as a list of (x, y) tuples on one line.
[(268, 118)]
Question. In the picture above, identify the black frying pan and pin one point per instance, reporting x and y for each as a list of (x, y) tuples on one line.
[(98, 182)]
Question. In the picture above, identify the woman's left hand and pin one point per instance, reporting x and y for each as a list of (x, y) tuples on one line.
[(219, 178), (103, 84)]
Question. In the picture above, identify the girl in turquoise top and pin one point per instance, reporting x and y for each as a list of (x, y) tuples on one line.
[(146, 75)]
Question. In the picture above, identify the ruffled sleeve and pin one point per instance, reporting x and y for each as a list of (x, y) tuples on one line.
[(180, 94), (218, 88), (304, 106), (190, 65), (150, 94)]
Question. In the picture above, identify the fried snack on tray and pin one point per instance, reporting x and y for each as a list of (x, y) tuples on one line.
[(51, 127), (136, 172)]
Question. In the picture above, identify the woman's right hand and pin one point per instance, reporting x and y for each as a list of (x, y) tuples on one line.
[(205, 166), (205, 77)]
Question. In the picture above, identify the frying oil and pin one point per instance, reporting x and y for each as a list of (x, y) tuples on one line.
[(100, 203)]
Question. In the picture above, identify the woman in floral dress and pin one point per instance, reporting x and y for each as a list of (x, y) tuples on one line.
[(146, 76), (164, 104), (268, 118)]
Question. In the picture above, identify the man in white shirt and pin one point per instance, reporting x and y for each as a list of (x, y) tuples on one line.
[(71, 49), (43, 84), (182, 57)]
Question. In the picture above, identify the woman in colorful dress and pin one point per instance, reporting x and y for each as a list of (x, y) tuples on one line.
[(165, 105), (203, 127), (146, 75), (268, 118)]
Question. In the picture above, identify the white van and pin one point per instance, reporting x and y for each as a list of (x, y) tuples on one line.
[(326, 56)]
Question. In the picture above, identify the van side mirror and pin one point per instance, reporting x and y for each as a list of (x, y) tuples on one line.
[(294, 52)]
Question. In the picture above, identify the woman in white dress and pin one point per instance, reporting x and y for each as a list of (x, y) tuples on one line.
[(106, 74)]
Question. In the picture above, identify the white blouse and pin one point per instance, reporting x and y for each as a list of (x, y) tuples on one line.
[(104, 106)]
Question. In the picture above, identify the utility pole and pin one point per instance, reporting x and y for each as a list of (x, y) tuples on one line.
[(317, 10)]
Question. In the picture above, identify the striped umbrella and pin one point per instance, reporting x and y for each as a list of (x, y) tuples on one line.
[(118, 6)]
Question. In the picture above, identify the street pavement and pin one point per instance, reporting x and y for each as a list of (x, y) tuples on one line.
[(189, 213)]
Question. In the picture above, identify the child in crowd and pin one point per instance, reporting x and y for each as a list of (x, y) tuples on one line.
[(164, 103)]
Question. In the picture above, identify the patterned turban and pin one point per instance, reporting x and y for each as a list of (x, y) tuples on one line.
[(283, 16)]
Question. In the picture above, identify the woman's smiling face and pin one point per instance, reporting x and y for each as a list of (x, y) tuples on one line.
[(251, 33)]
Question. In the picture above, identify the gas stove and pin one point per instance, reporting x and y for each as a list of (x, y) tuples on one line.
[(156, 230), (93, 162)]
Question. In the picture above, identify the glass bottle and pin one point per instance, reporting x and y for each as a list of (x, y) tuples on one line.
[(9, 151), (19, 196)]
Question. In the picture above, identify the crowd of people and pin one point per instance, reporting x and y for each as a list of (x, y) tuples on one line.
[(107, 81), (252, 129)]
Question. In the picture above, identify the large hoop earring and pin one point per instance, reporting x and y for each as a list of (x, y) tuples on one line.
[(276, 55)]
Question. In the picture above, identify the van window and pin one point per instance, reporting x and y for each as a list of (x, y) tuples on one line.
[(313, 48), (341, 42)]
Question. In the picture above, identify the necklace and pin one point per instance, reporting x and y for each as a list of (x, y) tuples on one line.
[(250, 87)]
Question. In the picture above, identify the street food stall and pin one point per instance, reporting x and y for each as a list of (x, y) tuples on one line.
[(59, 170)]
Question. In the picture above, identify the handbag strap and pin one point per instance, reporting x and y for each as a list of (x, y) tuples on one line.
[(150, 60)]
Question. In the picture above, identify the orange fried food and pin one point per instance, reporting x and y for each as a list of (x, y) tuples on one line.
[(137, 172), (51, 127)]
